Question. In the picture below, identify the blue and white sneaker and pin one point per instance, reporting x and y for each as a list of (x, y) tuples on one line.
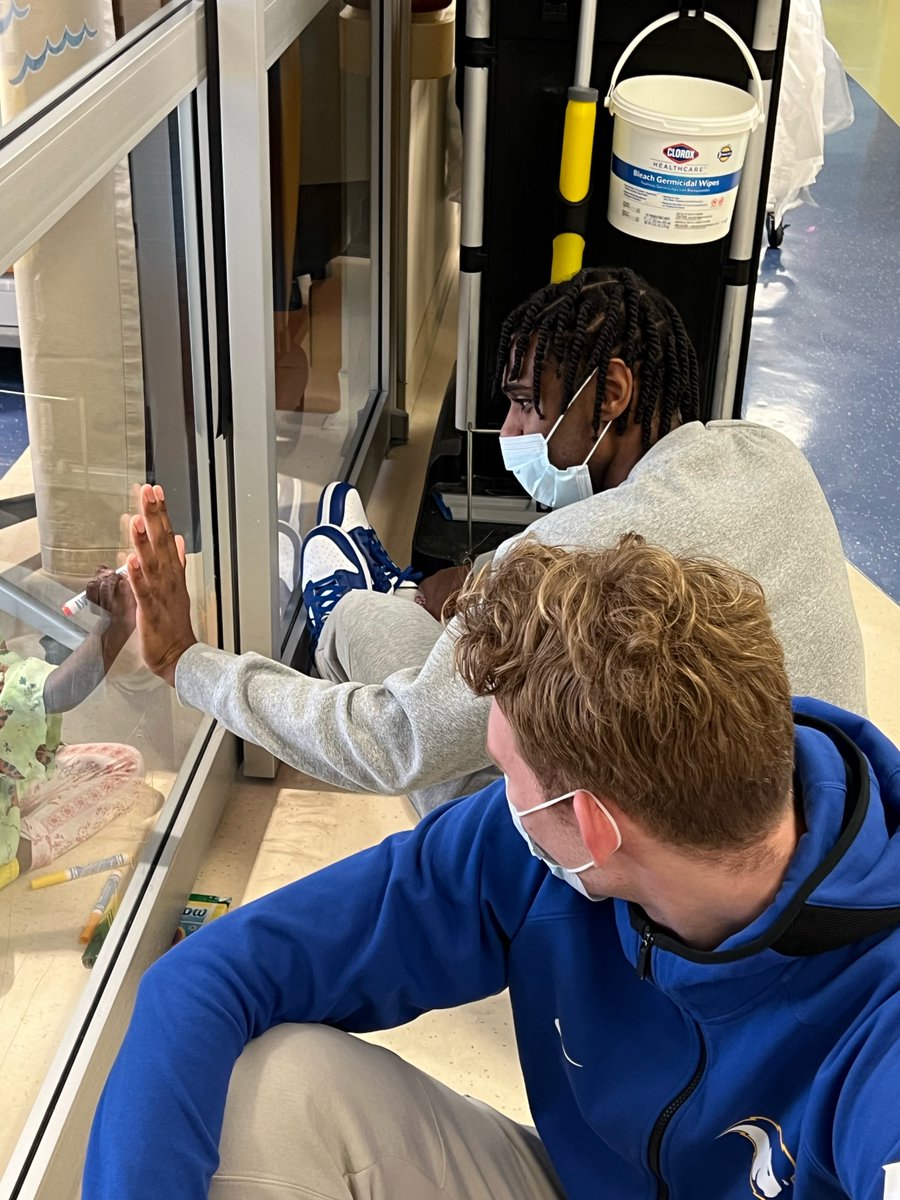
[(331, 564), (341, 504)]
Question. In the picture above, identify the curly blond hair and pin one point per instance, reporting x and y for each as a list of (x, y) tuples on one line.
[(649, 678)]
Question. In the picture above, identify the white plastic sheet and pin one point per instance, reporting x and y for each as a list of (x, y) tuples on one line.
[(814, 100)]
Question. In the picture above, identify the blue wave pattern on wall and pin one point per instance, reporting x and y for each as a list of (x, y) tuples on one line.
[(68, 41), (15, 14)]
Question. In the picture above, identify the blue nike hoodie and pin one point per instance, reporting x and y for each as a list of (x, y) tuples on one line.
[(767, 1067)]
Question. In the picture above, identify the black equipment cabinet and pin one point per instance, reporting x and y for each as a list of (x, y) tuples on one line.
[(515, 64)]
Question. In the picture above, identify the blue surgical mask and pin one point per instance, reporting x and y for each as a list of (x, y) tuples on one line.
[(527, 458), (569, 875)]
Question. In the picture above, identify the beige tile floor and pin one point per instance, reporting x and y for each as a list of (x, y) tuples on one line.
[(471, 1049)]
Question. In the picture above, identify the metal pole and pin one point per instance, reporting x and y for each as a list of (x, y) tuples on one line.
[(577, 152), (585, 52), (471, 430), (744, 227), (471, 234)]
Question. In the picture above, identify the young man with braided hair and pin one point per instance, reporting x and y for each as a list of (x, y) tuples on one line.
[(691, 892), (600, 372)]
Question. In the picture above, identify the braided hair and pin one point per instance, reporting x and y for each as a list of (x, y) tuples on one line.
[(600, 314)]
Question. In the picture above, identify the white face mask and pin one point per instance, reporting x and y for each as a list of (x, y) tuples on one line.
[(569, 875), (526, 457)]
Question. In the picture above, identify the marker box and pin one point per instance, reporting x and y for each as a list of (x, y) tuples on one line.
[(199, 911)]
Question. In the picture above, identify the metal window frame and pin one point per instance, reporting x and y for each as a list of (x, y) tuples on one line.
[(118, 49), (52, 164), (284, 21), (201, 333), (243, 99)]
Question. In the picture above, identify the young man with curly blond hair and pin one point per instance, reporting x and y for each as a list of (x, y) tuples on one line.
[(690, 889)]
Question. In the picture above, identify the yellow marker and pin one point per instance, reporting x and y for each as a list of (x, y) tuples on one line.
[(94, 868), (104, 900)]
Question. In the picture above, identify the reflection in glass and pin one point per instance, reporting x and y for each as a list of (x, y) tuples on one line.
[(99, 398), (320, 131)]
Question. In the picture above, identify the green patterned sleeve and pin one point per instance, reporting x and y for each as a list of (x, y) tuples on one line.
[(29, 737)]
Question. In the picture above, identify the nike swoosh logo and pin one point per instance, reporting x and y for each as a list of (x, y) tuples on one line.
[(563, 1045)]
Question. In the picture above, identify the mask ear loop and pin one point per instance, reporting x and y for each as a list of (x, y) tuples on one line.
[(526, 812), (568, 408), (612, 820), (603, 434)]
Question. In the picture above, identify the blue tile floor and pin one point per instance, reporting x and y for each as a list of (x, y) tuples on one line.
[(824, 363), (13, 427)]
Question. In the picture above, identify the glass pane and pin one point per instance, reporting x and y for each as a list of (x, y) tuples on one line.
[(98, 397), (48, 44), (320, 125)]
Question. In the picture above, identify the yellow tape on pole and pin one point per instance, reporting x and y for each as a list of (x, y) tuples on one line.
[(578, 145), (568, 253)]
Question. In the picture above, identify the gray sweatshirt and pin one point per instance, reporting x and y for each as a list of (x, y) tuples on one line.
[(730, 489)]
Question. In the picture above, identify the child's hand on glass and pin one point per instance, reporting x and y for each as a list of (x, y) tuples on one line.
[(112, 592), (82, 671)]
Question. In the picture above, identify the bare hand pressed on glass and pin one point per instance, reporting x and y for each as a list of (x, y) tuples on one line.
[(157, 576)]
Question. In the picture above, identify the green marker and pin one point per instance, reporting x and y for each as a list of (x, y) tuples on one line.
[(95, 945)]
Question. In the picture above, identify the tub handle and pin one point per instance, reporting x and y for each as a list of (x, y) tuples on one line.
[(719, 24)]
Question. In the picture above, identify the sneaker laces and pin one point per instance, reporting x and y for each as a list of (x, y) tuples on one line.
[(407, 575), (320, 597), (383, 568)]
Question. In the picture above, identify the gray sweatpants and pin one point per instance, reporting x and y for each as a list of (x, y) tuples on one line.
[(316, 1114), (368, 637)]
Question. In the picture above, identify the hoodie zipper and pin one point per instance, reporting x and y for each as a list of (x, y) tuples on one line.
[(643, 958), (654, 1146)]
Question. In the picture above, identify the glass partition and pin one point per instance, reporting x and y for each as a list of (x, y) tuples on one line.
[(112, 332), (104, 393), (320, 130), (49, 46)]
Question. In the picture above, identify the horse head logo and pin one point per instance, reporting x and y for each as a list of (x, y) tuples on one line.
[(772, 1167)]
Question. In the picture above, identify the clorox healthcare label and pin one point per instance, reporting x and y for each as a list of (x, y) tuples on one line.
[(682, 187)]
